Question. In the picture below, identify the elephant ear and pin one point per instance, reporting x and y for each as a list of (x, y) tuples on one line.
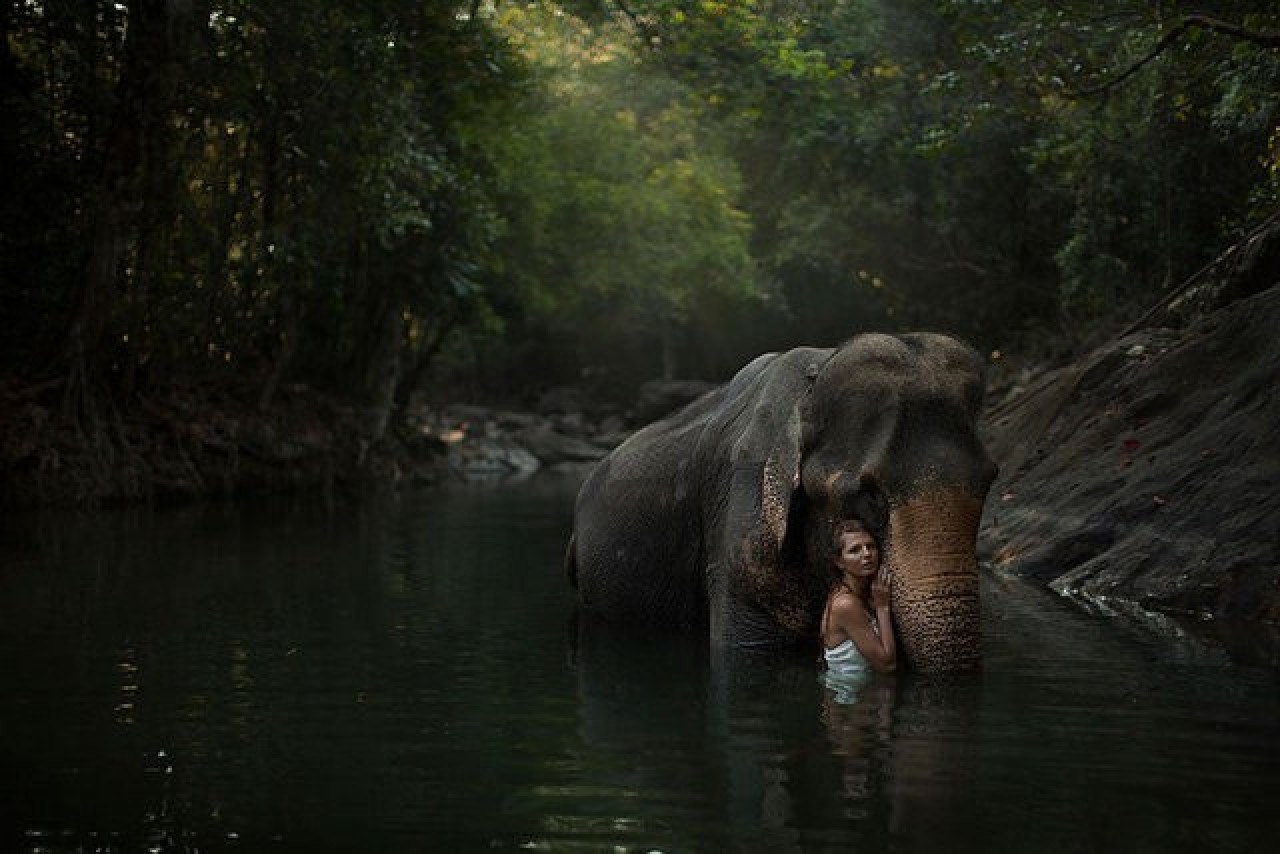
[(779, 479), (766, 477)]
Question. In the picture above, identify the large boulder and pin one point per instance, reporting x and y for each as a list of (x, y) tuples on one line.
[(551, 446), (1147, 471), (482, 459)]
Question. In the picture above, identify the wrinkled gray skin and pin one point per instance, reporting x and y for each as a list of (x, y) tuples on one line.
[(721, 515)]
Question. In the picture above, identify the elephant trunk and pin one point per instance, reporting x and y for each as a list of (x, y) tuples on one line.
[(931, 552)]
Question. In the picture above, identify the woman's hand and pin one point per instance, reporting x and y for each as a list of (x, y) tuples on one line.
[(881, 594)]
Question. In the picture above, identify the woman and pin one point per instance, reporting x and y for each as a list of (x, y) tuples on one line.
[(857, 630)]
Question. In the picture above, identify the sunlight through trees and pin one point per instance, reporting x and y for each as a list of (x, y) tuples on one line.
[(487, 198)]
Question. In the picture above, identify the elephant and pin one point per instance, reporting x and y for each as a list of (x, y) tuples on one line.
[(720, 517)]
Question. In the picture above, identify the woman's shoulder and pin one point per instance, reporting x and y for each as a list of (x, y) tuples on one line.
[(845, 605)]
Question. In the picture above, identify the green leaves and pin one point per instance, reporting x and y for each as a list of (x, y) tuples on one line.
[(622, 207), (944, 147), (593, 178)]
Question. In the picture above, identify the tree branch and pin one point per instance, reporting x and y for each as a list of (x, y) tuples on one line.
[(638, 21), (1270, 41), (627, 11)]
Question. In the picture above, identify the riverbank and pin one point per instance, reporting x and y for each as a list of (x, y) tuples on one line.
[(177, 441), (185, 442), (1144, 473), (1141, 474)]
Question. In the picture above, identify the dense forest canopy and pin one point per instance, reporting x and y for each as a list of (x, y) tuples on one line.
[(485, 198)]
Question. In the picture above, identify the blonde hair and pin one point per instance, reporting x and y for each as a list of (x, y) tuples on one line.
[(851, 526)]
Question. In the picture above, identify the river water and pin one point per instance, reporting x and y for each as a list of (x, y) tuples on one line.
[(405, 674)]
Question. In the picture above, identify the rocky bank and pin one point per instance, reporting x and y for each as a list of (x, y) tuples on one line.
[(1146, 474)]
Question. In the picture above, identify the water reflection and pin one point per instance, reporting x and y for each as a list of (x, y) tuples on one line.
[(859, 721), (763, 704), (776, 761), (405, 675)]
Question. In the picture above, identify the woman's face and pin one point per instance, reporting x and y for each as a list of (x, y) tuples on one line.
[(858, 554)]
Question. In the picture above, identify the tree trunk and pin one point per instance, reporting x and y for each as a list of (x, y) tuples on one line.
[(288, 345), (382, 375), (419, 361), (115, 200)]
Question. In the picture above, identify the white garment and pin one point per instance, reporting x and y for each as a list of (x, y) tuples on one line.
[(845, 659), (847, 671)]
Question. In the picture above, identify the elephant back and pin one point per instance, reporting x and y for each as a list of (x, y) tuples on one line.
[(637, 541), (650, 520)]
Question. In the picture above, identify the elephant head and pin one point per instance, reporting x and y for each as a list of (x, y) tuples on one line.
[(723, 514), (884, 432)]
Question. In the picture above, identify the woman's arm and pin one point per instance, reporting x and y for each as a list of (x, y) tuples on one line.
[(880, 600), (850, 616)]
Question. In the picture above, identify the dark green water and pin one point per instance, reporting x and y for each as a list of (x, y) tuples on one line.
[(402, 675)]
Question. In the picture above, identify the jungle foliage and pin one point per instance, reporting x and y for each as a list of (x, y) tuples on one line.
[(384, 196)]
